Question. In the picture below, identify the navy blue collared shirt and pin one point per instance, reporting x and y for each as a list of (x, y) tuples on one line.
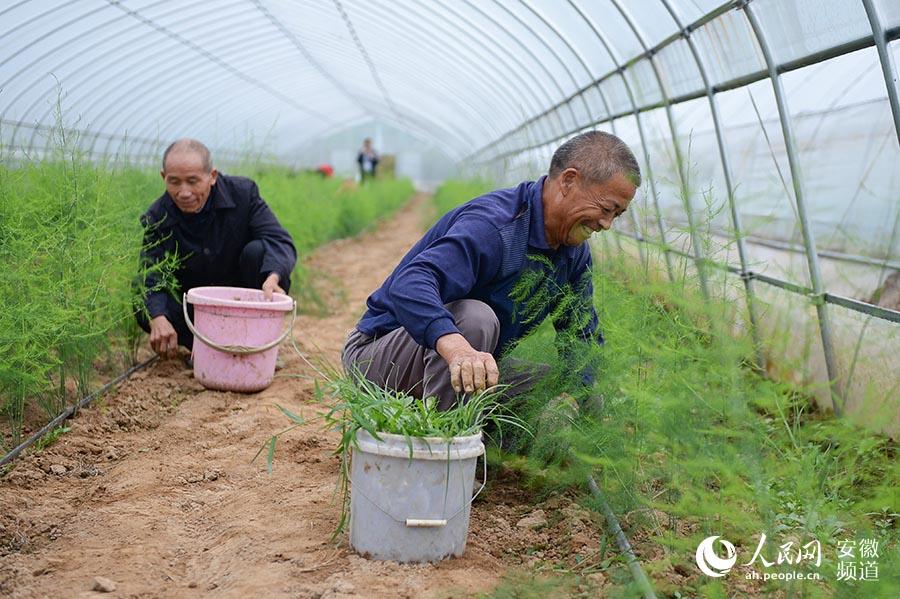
[(466, 255)]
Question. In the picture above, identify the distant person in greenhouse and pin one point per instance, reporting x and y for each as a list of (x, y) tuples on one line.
[(222, 231), (368, 161), (490, 271)]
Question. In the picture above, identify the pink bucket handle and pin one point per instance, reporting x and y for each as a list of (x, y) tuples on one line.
[(238, 350)]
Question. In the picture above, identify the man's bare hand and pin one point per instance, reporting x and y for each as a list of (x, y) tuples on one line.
[(470, 370), (163, 338), (270, 286)]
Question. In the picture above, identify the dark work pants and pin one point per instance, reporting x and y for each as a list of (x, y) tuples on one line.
[(396, 361), (249, 265)]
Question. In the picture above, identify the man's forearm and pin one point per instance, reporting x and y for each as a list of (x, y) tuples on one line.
[(450, 345)]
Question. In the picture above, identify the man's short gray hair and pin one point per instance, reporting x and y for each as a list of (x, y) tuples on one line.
[(597, 156), (186, 144)]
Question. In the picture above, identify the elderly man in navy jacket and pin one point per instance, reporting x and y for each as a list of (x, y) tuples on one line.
[(221, 230), (452, 307)]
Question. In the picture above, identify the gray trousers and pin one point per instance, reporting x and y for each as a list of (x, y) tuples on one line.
[(396, 361)]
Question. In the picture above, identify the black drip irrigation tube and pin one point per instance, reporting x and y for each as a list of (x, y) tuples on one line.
[(72, 410), (622, 541)]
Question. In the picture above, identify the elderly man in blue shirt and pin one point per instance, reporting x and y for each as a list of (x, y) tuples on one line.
[(450, 310)]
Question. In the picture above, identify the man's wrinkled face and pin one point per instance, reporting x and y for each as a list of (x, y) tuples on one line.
[(590, 208), (187, 182)]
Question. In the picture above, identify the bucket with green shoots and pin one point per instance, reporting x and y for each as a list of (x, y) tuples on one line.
[(412, 473)]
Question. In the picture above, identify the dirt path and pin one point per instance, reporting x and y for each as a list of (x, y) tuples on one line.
[(154, 489)]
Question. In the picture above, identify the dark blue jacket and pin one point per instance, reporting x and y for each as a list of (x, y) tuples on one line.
[(211, 241), (481, 250)]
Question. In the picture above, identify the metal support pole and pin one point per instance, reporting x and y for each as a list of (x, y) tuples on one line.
[(729, 186), (527, 50), (606, 105), (550, 26), (699, 260), (210, 112), (59, 48), (262, 85), (887, 63), (413, 24), (550, 49), (578, 57), (637, 117), (735, 82), (484, 45), (706, 18), (809, 241)]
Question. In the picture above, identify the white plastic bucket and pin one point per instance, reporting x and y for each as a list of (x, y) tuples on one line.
[(412, 509)]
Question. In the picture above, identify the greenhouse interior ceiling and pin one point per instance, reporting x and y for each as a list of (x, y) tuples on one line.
[(482, 80), (772, 123)]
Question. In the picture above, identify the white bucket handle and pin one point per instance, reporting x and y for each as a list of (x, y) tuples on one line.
[(430, 522), (238, 350)]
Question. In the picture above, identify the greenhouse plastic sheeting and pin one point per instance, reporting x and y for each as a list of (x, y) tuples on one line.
[(767, 130), (492, 87)]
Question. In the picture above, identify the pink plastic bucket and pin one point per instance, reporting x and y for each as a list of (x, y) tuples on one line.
[(236, 336)]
